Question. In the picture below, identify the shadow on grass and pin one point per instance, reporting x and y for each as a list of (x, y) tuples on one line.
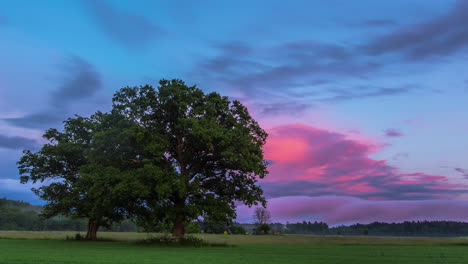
[(171, 241), (80, 237)]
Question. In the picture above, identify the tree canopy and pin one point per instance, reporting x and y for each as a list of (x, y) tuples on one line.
[(203, 152), (170, 154), (82, 171)]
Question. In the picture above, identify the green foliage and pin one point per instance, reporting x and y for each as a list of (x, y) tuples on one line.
[(84, 169), (202, 153), (307, 228), (413, 228), (16, 215), (214, 225), (238, 230), (162, 156), (193, 228), (263, 229)]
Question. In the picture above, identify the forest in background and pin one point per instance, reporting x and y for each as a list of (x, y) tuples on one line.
[(22, 216)]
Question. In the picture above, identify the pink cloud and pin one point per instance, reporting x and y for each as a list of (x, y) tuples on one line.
[(310, 161), (337, 210)]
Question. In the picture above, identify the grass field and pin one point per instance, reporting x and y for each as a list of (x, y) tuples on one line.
[(51, 247)]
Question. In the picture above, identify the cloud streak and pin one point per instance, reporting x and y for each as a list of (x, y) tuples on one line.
[(125, 27), (81, 82), (17, 142), (440, 36), (391, 132), (462, 171)]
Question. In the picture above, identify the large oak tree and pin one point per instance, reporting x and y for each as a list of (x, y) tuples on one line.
[(202, 153), (167, 155)]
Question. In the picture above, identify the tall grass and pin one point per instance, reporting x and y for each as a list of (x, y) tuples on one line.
[(248, 239)]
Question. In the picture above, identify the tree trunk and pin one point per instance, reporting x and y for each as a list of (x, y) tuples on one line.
[(93, 226), (179, 220), (179, 229)]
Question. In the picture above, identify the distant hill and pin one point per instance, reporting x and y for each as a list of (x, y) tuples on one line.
[(4, 202), (22, 216)]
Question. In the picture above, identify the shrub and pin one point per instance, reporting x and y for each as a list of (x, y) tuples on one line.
[(238, 230), (263, 229), (77, 236), (193, 228), (168, 240)]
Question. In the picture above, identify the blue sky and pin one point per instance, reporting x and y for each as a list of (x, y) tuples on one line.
[(381, 83)]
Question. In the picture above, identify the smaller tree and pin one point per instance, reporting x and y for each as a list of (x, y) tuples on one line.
[(86, 169), (261, 216), (262, 219)]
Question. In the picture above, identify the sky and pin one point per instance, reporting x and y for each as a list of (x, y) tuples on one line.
[(365, 101)]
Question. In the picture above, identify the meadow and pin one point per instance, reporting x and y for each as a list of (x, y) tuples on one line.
[(51, 247)]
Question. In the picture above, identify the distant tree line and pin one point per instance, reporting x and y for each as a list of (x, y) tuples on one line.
[(22, 216), (407, 228)]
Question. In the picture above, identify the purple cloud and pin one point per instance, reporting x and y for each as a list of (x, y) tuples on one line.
[(17, 142), (391, 132), (443, 35), (462, 171), (81, 82)]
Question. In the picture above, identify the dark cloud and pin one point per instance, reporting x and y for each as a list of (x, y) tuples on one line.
[(299, 75), (128, 28), (359, 93), (304, 51), (391, 132), (282, 70), (260, 72), (37, 120), (81, 82), (17, 142), (443, 35), (275, 109), (391, 191)]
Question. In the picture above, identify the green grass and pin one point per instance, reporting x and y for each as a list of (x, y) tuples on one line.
[(27, 247)]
